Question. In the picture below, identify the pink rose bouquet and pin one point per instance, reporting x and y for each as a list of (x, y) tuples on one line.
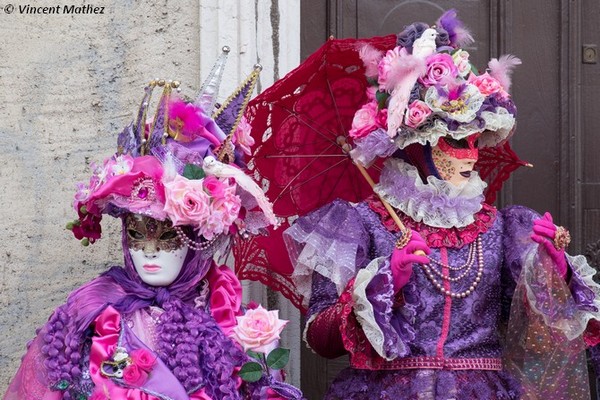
[(417, 113), (364, 121), (367, 119), (186, 201), (461, 60), (486, 84), (440, 66)]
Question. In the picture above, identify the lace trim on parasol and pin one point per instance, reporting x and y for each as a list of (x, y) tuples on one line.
[(437, 203)]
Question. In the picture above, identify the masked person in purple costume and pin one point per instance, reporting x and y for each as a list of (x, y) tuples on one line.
[(467, 301), (164, 326)]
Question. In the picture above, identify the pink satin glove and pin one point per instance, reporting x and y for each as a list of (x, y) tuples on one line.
[(544, 233), (403, 259)]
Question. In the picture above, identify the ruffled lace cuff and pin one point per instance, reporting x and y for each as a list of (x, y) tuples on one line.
[(373, 297), (331, 241)]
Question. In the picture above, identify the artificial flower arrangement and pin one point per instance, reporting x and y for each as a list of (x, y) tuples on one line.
[(258, 332), (182, 180), (426, 88)]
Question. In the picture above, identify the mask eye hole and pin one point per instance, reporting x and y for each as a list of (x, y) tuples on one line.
[(457, 144), (135, 234), (168, 235)]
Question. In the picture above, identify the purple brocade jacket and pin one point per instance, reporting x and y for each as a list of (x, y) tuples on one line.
[(479, 342)]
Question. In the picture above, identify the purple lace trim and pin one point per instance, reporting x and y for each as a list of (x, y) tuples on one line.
[(376, 144), (427, 203)]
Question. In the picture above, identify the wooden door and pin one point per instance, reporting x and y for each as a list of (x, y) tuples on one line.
[(555, 91)]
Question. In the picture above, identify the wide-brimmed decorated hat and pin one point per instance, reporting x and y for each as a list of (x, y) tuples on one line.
[(426, 88), (184, 164)]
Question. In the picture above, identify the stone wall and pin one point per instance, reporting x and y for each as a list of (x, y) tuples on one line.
[(69, 84)]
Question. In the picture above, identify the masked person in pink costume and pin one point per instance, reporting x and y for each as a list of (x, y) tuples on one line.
[(467, 301), (163, 326)]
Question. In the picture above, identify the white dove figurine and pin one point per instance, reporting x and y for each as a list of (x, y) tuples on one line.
[(425, 46)]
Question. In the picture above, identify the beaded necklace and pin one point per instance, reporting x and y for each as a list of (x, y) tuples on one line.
[(475, 252)]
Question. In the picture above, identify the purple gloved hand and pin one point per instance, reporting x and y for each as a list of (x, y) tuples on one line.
[(544, 233), (403, 259)]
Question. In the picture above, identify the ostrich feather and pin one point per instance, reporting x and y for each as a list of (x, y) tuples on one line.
[(502, 68), (370, 57), (220, 170), (458, 34)]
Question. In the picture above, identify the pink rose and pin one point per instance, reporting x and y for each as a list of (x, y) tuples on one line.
[(387, 64), (214, 186), (242, 138), (371, 92), (133, 375), (258, 329), (416, 114), (143, 359), (364, 121), (439, 67), (461, 60), (186, 202), (229, 206), (486, 84), (381, 118)]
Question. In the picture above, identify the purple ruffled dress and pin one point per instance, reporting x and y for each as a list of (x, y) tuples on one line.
[(427, 345)]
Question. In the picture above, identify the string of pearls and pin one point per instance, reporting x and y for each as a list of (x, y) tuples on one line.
[(429, 272), (192, 244)]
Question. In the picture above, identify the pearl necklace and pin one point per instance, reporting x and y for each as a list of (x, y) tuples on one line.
[(190, 243), (431, 271)]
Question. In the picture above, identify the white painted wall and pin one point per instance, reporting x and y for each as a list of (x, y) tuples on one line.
[(69, 83)]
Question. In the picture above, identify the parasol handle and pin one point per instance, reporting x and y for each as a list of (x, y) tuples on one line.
[(387, 206)]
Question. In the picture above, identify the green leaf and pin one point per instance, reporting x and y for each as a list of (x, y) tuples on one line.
[(255, 355), (372, 81), (278, 358), (474, 70), (381, 98), (251, 371), (192, 171)]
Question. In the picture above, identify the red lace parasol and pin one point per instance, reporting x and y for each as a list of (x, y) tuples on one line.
[(300, 125)]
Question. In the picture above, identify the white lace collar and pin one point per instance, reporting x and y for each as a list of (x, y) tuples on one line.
[(437, 203)]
